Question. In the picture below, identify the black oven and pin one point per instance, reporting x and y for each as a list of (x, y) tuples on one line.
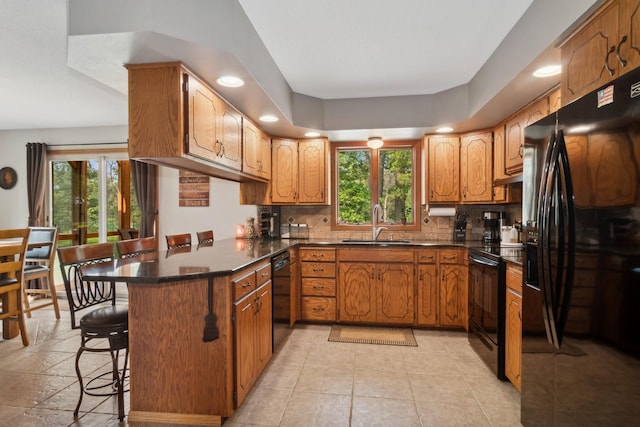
[(487, 293)]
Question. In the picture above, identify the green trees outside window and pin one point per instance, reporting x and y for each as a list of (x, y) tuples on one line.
[(366, 176)]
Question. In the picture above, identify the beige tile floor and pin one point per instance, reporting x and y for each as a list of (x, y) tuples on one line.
[(309, 382)]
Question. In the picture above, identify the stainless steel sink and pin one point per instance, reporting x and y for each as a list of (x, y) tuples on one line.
[(376, 242)]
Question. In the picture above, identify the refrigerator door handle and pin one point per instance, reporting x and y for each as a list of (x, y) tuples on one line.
[(566, 271), (543, 255)]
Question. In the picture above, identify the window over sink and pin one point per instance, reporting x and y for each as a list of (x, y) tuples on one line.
[(388, 176)]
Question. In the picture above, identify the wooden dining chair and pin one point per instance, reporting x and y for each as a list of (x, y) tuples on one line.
[(128, 233), (205, 237), (134, 247), (39, 265), (104, 326), (178, 240), (13, 247)]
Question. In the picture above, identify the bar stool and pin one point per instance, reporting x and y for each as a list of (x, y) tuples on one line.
[(108, 324), (205, 237), (178, 240)]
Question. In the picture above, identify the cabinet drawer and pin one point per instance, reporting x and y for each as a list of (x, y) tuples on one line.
[(318, 269), (318, 254), (449, 256), (263, 274), (514, 278), (376, 255), (243, 285), (318, 308), (427, 256), (319, 287)]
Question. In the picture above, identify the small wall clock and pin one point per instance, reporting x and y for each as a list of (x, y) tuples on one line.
[(8, 178)]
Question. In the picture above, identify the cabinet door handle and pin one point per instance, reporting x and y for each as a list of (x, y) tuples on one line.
[(318, 287), (521, 150), (622, 61), (265, 274), (318, 309), (318, 270), (606, 60), (464, 192), (318, 255), (246, 285), (379, 275)]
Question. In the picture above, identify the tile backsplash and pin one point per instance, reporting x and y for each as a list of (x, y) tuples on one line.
[(318, 219)]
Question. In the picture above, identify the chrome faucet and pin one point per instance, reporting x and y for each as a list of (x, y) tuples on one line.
[(375, 214)]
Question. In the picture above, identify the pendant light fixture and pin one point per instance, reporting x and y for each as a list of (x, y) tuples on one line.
[(375, 142)]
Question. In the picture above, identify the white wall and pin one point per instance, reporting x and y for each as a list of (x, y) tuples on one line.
[(221, 216), (223, 212)]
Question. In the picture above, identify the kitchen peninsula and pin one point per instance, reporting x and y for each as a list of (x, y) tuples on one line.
[(179, 374)]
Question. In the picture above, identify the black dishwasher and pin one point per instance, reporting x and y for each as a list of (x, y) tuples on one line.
[(281, 274)]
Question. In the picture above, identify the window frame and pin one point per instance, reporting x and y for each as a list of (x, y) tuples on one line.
[(416, 147)]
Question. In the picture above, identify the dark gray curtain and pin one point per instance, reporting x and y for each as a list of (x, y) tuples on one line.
[(145, 184), (36, 181)]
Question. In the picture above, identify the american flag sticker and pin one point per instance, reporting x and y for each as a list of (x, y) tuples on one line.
[(605, 96), (635, 90)]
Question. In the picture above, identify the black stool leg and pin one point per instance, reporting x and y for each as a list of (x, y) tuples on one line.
[(80, 351), (119, 382)]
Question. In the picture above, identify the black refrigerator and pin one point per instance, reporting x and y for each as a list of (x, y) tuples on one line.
[(581, 293)]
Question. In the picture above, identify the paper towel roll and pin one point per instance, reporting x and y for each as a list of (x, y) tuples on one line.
[(442, 211)]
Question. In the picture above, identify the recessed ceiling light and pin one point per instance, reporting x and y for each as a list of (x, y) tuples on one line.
[(312, 134), (548, 71), (444, 129), (268, 118), (230, 81)]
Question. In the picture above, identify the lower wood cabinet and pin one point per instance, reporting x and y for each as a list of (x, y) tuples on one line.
[(253, 342), (513, 326), (377, 292), (318, 284), (442, 288)]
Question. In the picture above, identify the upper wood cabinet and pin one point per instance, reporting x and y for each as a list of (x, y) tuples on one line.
[(301, 171), (604, 49), (299, 175), (443, 168), (476, 172), (177, 120), (312, 171), (514, 133), (256, 146)]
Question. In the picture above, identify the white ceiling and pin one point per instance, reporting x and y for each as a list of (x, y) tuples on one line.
[(350, 69)]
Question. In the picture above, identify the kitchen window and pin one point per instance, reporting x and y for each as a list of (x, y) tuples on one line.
[(363, 177)]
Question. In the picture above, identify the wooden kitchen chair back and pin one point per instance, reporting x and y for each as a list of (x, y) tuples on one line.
[(107, 325), (134, 247), (178, 240), (13, 248), (205, 237), (128, 233), (82, 294), (38, 269)]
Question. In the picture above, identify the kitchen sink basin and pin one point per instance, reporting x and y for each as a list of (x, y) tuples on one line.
[(374, 242)]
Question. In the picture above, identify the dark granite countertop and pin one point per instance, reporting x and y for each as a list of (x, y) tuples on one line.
[(225, 257)]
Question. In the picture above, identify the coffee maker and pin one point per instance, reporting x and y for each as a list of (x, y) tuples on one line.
[(492, 223)]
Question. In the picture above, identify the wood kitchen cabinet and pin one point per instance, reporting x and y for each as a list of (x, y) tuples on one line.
[(177, 120), (299, 175), (376, 285), (443, 168), (252, 314), (442, 288), (476, 174), (318, 284), (256, 146), (452, 310), (514, 133), (602, 50), (513, 325)]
